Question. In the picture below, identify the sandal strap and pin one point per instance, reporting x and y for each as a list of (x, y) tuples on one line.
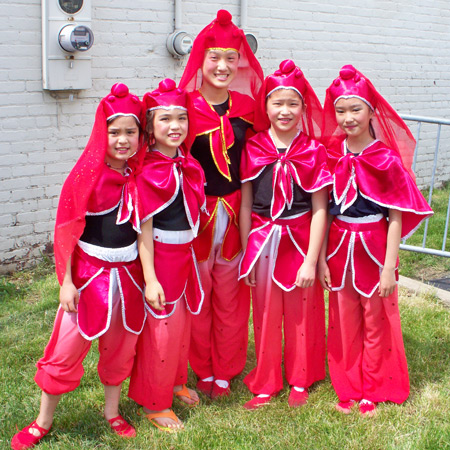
[(42, 431), (166, 415), (183, 392)]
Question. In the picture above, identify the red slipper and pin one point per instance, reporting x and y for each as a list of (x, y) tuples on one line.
[(367, 408), (257, 402), (25, 439), (121, 427), (205, 387), (297, 398), (345, 407), (218, 391)]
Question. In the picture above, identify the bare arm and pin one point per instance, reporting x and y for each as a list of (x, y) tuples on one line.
[(68, 293), (245, 223), (307, 272), (387, 279), (154, 293), (323, 270)]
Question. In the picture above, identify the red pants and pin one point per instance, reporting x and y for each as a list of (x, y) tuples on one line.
[(220, 332), (366, 355), (61, 368), (162, 359), (303, 312)]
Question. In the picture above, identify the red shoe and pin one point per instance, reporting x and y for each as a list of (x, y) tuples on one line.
[(367, 408), (205, 387), (257, 402), (218, 391), (121, 427), (345, 407), (297, 398), (25, 439)]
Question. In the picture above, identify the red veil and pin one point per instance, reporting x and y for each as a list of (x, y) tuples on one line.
[(83, 178)]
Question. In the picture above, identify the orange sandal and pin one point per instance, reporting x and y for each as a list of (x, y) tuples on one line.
[(184, 392), (25, 439), (122, 427), (167, 415)]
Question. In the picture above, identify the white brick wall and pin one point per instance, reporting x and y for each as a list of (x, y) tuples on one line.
[(402, 45)]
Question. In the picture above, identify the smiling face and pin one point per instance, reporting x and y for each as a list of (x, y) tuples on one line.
[(219, 68), (170, 128), (123, 140), (353, 117), (284, 108)]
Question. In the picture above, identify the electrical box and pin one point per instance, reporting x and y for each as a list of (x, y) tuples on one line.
[(66, 39)]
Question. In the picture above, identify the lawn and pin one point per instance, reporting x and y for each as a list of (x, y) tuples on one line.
[(28, 301)]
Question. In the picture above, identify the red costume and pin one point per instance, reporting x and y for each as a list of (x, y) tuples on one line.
[(220, 332), (162, 351), (107, 276), (365, 346), (279, 241)]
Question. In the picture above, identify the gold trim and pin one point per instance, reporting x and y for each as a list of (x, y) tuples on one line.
[(222, 48)]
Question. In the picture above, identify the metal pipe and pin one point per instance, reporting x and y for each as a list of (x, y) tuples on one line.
[(178, 14), (425, 119), (428, 251), (244, 9)]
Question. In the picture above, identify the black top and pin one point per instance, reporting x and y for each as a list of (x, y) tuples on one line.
[(361, 208), (216, 183), (173, 217), (263, 193), (103, 231)]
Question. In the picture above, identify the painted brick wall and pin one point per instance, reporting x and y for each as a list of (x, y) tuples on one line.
[(402, 45)]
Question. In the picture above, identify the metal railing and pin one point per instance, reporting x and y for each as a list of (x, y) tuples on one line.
[(424, 248)]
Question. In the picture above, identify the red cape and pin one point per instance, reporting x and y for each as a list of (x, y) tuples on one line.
[(162, 177), (221, 136), (304, 162), (379, 175)]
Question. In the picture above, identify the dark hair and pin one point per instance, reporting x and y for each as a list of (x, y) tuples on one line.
[(371, 129), (149, 126), (112, 119)]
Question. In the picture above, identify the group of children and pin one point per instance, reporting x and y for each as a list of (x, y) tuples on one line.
[(231, 187)]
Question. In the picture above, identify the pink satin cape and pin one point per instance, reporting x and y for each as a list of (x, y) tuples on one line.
[(161, 179), (379, 175), (219, 129), (303, 163), (92, 277)]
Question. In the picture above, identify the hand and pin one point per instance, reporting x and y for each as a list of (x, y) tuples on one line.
[(388, 282), (250, 279), (154, 295), (69, 297), (324, 275), (306, 275)]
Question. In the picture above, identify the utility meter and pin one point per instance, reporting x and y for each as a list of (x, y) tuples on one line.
[(66, 39), (179, 43), (74, 38)]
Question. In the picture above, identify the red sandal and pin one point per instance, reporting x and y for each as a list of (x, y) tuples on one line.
[(122, 427), (25, 439)]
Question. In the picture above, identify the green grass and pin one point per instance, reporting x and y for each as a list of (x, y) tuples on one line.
[(27, 307), (419, 265)]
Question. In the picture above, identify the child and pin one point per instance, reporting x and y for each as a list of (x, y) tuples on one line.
[(172, 193), (224, 77), (283, 220), (97, 266), (374, 204)]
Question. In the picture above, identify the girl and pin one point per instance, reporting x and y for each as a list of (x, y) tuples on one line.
[(97, 267), (224, 77), (374, 204), (171, 192), (283, 220)]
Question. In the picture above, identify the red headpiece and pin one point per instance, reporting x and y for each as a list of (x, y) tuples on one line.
[(169, 97), (223, 34), (289, 76), (121, 103), (389, 127), (79, 185)]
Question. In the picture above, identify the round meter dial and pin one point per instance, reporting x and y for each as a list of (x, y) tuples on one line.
[(71, 6)]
